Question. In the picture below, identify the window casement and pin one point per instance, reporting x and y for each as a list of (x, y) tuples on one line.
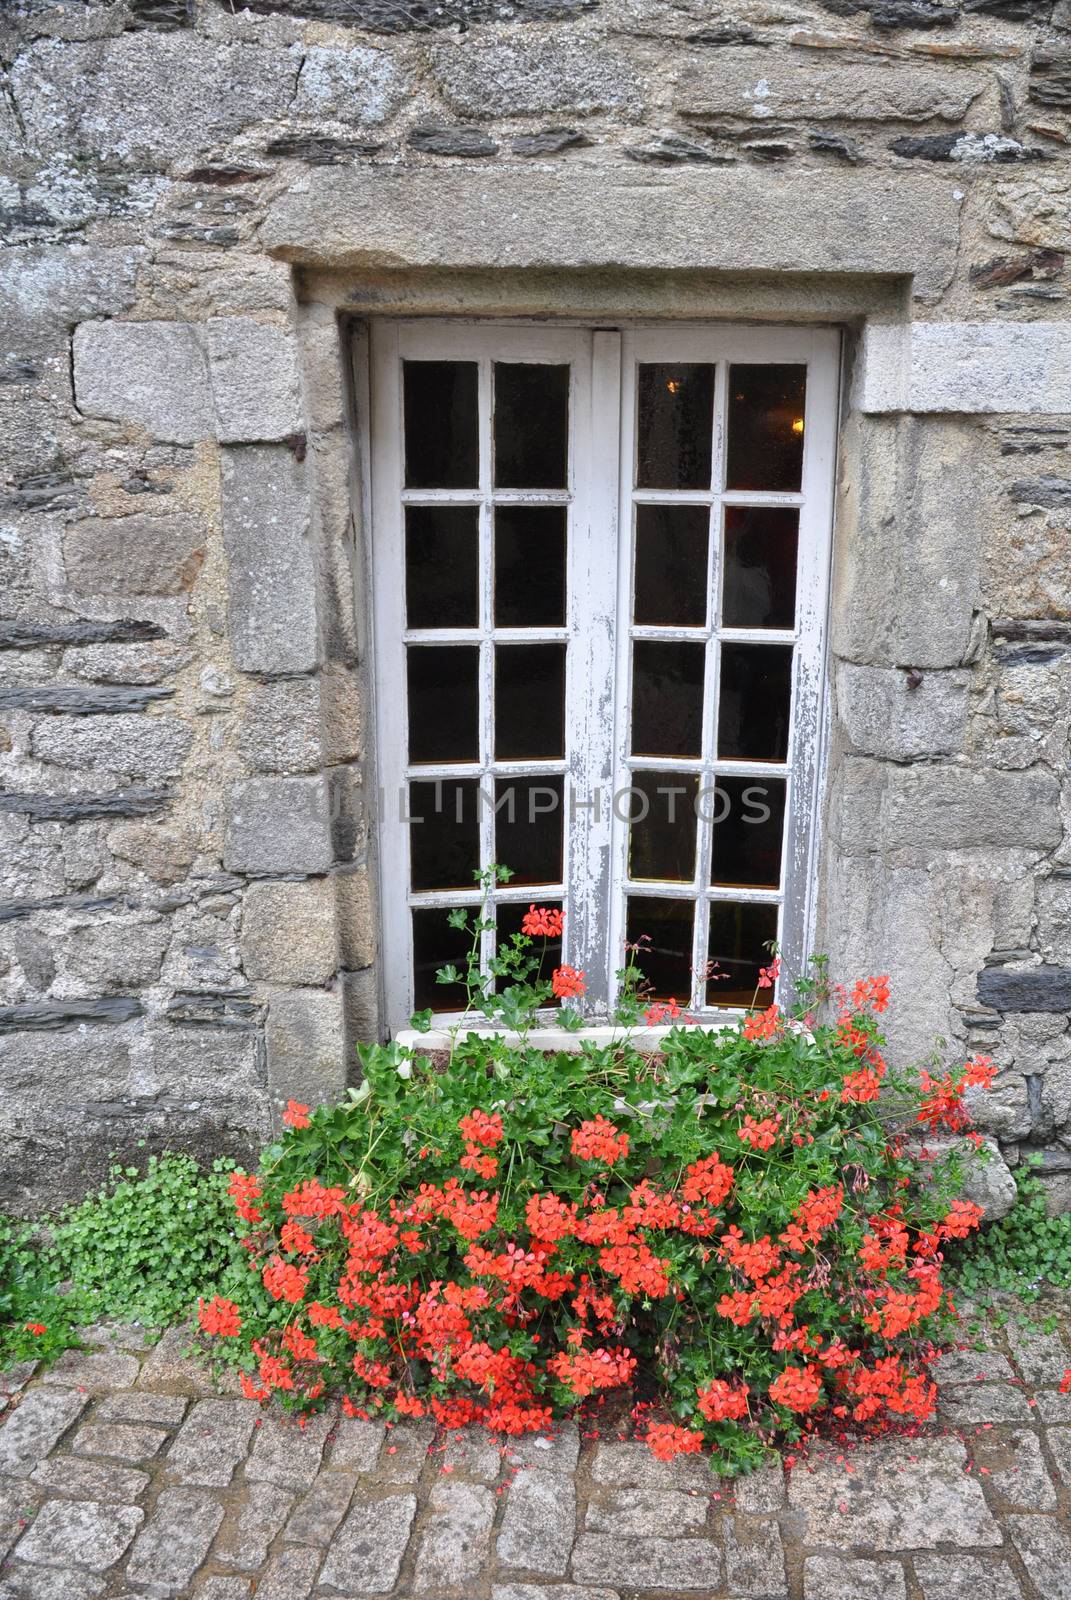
[(599, 585)]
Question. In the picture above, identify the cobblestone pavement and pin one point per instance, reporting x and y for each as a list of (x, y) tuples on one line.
[(124, 1473)]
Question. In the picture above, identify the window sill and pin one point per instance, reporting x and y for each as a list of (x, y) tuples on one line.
[(647, 1040)]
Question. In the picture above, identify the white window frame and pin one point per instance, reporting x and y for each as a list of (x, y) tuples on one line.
[(599, 629)]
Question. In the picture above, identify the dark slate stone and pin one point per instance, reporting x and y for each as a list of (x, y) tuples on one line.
[(40, 635), (139, 484), (438, 141), (548, 141), (80, 702), (213, 1010), (420, 16), (726, 33), (1028, 655), (82, 807), (1044, 988), (834, 144), (941, 147), (18, 372), (1050, 78), (46, 491), (164, 15), (893, 14), (1054, 494), (220, 234), (49, 1016), (1030, 441), (19, 910), (768, 149), (999, 271), (223, 175), (1012, 10), (319, 150), (1035, 630), (671, 151)]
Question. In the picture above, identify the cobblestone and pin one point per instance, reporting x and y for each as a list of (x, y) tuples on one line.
[(231, 1503), (94, 1370)]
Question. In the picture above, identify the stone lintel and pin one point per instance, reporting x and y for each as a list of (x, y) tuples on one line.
[(966, 367)]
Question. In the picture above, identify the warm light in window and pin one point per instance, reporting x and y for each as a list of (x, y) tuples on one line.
[(797, 424), (673, 385)]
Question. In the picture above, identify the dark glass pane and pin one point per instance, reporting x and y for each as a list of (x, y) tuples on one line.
[(435, 945), (528, 828), (530, 566), (735, 951), (442, 554), (675, 426), (759, 589), (667, 698), (765, 427), (661, 839), (444, 701), (529, 701), (444, 833), (441, 425), (508, 919), (748, 816), (671, 565), (531, 426), (756, 691), (663, 930)]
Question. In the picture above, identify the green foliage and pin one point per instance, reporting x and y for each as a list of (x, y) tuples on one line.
[(29, 1300), (145, 1244), (1021, 1254)]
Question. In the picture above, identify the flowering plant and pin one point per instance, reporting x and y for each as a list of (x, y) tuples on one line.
[(745, 1218)]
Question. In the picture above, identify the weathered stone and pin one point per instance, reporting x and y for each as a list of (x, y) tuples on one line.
[(25, 1582), (47, 1016), (127, 663), (166, 854), (1041, 1357), (754, 1559), (270, 570), (81, 1533), (91, 1480), (289, 933), (762, 1490), (1014, 1467), (435, 140), (355, 1445), (255, 384), (1045, 1549), (671, 151), (289, 1575), (548, 142), (1033, 211), (965, 367), (211, 1442), (66, 283), (915, 1494), (948, 808), (632, 1465), (319, 1512), (568, 217), (654, 1513), (171, 1366), (175, 1540), (123, 1442), (972, 1366), (837, 1578), (42, 635), (279, 825), (457, 1536), (474, 1453), (885, 715), (126, 744), (753, 84), (961, 1577), (151, 374), (287, 1454), (1041, 988), (224, 1589), (307, 1062), (647, 1563), (405, 1449), (320, 150), (134, 555), (1050, 78), (539, 1522), (974, 149), (18, 1502), (532, 76), (359, 86), (282, 726), (143, 99), (261, 1513), (556, 1591), (366, 1553)]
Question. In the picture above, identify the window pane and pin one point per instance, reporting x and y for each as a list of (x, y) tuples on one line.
[(529, 701), (671, 565), (663, 930), (444, 834), (667, 698), (675, 426), (441, 425), (759, 589), (444, 700), (765, 427), (530, 566), (748, 816), (528, 828), (753, 707), (435, 945), (661, 840), (508, 919), (442, 553), (531, 426), (737, 936)]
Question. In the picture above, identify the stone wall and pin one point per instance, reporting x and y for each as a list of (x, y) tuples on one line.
[(198, 199)]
